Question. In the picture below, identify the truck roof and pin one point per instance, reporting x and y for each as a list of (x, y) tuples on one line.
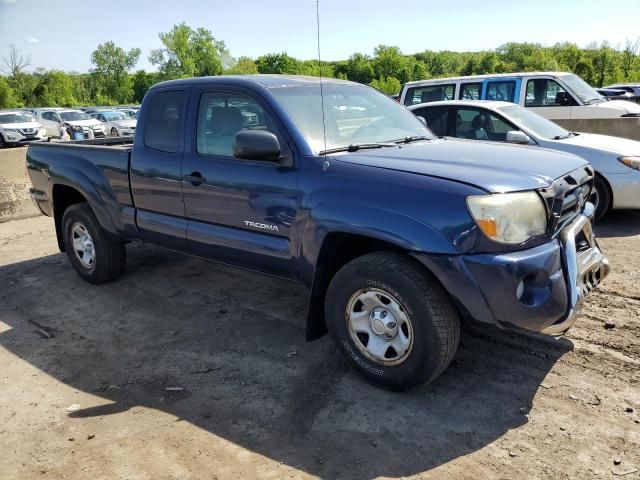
[(494, 75), (265, 80)]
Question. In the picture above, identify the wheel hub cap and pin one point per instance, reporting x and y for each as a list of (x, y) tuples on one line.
[(379, 326), (383, 323), (83, 245)]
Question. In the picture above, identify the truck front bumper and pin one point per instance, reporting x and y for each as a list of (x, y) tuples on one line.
[(541, 289)]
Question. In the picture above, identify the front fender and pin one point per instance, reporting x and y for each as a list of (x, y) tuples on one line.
[(395, 228)]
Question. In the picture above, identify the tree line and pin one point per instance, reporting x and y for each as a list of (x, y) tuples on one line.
[(188, 52)]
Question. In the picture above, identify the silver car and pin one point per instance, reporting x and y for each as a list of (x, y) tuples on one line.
[(616, 160), (117, 123)]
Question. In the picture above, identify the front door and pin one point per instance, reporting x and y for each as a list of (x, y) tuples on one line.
[(240, 212), (549, 99)]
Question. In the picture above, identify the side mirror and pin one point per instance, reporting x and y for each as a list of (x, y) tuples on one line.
[(422, 119), (562, 99), (256, 145), (516, 136)]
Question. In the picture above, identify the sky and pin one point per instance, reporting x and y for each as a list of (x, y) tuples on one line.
[(59, 34)]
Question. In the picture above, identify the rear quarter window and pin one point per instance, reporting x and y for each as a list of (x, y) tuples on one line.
[(429, 93), (163, 121)]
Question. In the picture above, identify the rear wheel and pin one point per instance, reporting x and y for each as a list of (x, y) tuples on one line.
[(95, 255), (600, 197), (391, 320)]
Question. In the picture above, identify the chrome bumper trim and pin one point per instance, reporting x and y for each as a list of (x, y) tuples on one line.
[(584, 270)]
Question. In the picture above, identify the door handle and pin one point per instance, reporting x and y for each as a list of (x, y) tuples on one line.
[(195, 178)]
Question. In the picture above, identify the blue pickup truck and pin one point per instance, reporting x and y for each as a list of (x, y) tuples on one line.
[(398, 235)]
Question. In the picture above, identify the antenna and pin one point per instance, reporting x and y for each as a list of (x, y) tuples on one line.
[(324, 127)]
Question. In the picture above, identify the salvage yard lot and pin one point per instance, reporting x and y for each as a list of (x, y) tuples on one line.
[(255, 401)]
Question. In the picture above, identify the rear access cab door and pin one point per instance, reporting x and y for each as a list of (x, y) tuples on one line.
[(240, 212)]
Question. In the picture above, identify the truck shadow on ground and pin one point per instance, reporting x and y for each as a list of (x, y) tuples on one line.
[(234, 341), (619, 223)]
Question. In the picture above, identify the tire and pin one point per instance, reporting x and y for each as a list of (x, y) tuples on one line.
[(422, 336), (2, 144), (103, 257), (602, 197), (114, 132)]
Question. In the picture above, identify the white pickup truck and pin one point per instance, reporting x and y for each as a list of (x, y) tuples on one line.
[(553, 95)]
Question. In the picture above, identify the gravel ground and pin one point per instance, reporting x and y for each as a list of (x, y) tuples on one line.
[(188, 369)]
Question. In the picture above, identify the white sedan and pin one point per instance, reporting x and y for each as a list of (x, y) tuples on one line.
[(116, 123), (616, 160)]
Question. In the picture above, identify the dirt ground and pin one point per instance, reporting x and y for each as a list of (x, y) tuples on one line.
[(256, 401)]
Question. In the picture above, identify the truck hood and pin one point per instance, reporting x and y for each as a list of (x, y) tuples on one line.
[(494, 167), (625, 106)]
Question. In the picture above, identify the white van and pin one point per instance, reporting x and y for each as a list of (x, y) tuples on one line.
[(554, 95)]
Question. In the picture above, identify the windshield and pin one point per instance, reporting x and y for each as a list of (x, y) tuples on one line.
[(535, 123), (354, 114), (16, 118), (582, 89), (111, 116), (74, 116)]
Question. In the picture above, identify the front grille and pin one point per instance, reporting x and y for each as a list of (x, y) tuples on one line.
[(566, 197), (27, 131)]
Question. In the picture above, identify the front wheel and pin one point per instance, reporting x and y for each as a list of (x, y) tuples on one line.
[(95, 256), (114, 132), (391, 320)]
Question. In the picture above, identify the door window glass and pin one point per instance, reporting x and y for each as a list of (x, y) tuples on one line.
[(164, 120), (437, 119), (543, 92), (479, 124), (501, 90), (470, 91), (430, 93), (222, 115)]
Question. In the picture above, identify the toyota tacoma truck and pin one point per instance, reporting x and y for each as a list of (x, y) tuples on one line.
[(397, 235)]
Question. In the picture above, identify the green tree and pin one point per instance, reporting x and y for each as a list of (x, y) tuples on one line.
[(142, 81), (359, 69), (54, 88), (419, 71), (7, 95), (278, 63), (389, 85), (243, 66), (111, 70), (189, 53), (387, 61)]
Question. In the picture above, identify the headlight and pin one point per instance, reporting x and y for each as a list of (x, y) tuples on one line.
[(509, 217), (632, 161), (11, 130)]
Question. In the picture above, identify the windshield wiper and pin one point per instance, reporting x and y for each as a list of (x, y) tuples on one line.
[(562, 137), (595, 100), (413, 138), (354, 147)]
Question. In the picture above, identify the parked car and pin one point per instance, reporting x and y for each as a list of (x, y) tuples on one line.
[(616, 160), (632, 88), (55, 120), (395, 232), (18, 127), (615, 94), (117, 123), (130, 112), (554, 95)]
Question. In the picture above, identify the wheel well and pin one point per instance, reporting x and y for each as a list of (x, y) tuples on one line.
[(63, 197), (337, 250), (606, 183)]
